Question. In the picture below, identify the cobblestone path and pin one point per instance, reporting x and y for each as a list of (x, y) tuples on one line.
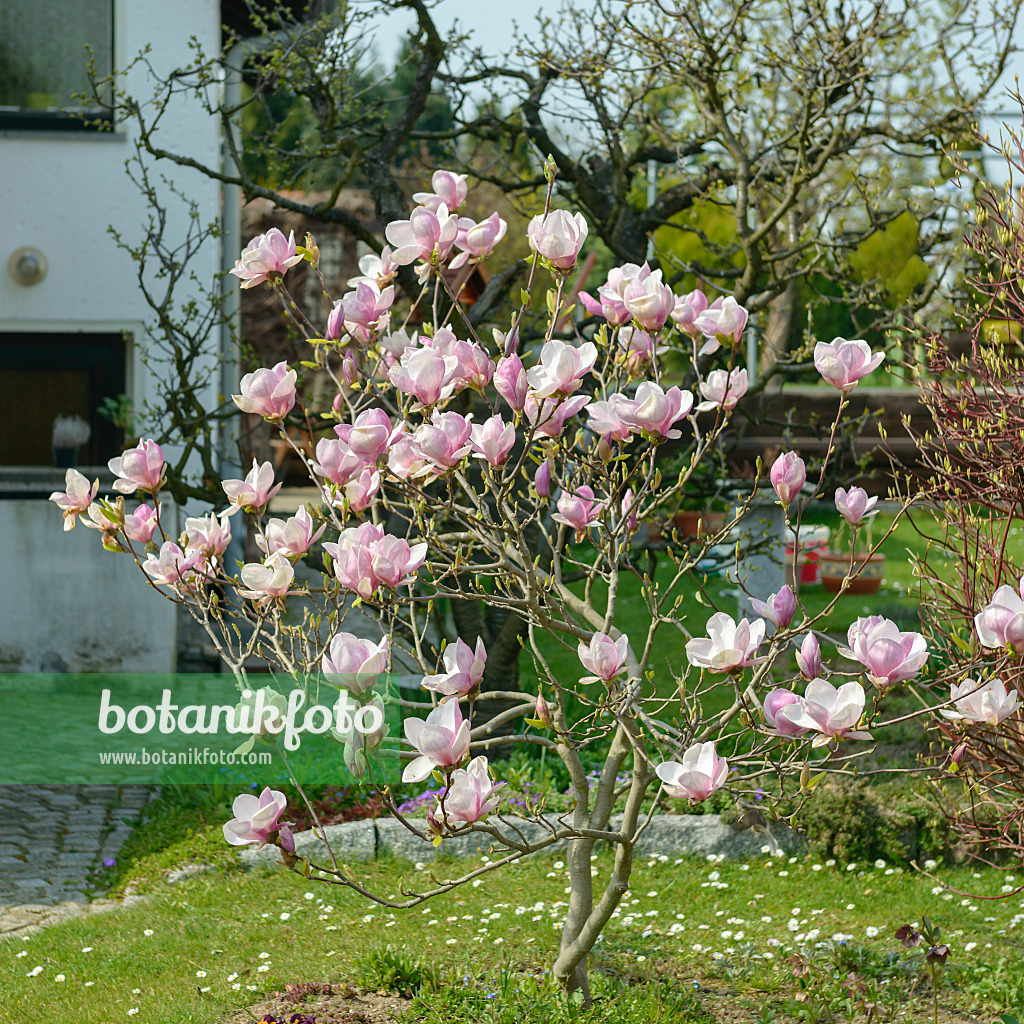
[(51, 837)]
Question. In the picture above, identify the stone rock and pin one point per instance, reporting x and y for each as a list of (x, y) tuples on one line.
[(187, 871), (672, 835), (703, 835)]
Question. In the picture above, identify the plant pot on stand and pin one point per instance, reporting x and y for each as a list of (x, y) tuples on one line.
[(835, 565)]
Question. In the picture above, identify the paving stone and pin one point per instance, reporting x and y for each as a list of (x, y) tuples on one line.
[(52, 838)]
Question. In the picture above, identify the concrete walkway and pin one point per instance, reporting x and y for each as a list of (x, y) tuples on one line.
[(51, 839)]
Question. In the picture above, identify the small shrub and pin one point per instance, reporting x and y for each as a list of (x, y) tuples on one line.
[(395, 970), (854, 821)]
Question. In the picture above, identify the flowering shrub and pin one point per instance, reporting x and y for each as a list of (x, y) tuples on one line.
[(505, 474)]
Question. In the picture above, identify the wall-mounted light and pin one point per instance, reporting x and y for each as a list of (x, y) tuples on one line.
[(27, 266)]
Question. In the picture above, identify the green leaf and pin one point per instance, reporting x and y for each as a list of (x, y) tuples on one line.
[(535, 722), (247, 745), (960, 642)]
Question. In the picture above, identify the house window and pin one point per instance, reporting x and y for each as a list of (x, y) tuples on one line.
[(43, 376), (45, 49)]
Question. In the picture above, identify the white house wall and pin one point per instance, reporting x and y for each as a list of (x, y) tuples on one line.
[(59, 192)]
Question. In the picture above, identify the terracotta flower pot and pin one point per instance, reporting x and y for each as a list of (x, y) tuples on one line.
[(834, 567), (687, 522)]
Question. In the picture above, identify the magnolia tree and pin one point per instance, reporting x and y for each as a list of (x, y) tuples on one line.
[(467, 469)]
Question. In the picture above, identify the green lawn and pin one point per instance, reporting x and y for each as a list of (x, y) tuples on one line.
[(205, 950)]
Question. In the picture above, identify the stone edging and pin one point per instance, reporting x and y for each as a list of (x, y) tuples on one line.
[(670, 834)]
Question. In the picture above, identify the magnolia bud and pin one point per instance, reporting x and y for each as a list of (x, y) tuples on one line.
[(604, 449), (542, 480), (349, 370), (543, 711)]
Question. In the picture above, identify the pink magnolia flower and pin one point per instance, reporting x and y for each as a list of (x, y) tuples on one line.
[(558, 237), (649, 300), (778, 609), (366, 309), (548, 417), (854, 505), (396, 562), (890, 656), (470, 797), (353, 664), (290, 537), (336, 462), (379, 270), (404, 461), (449, 188), (271, 579), (76, 498), (687, 309), (988, 703), (562, 368), (724, 317), (394, 344), (427, 235), (365, 557), (370, 435), (425, 375), (842, 363), (443, 442), (442, 740), (267, 393), (788, 475), (723, 389), (773, 708), (830, 712), (612, 293), (729, 645), (266, 256), (542, 480), (141, 524), (604, 657), (511, 382), (171, 565), (474, 368), (463, 669), (1001, 622), (699, 774), (655, 410), (808, 658), (208, 535), (613, 419), (480, 239), (254, 492), (255, 818), (141, 467), (335, 321), (493, 440), (361, 491), (579, 510), (638, 346), (608, 304)]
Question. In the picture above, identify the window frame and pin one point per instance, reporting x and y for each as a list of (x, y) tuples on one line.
[(97, 119)]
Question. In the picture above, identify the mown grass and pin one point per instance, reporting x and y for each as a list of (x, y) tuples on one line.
[(223, 941)]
